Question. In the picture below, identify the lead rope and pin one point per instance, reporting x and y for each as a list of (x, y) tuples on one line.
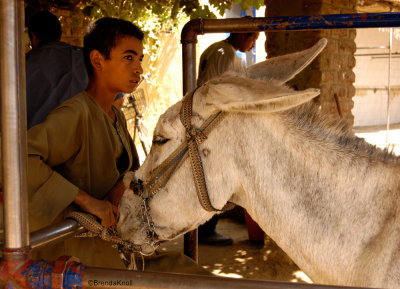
[(126, 249)]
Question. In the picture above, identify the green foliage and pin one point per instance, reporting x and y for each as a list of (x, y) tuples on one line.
[(164, 14), (155, 17), (249, 3)]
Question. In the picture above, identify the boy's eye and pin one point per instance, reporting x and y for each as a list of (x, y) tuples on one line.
[(129, 57)]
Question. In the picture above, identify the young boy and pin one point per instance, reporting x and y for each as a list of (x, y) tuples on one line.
[(78, 154)]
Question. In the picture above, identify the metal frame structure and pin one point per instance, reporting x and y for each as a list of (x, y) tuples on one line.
[(17, 270)]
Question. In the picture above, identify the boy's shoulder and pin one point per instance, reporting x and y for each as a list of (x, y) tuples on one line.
[(82, 105), (77, 105), (80, 99)]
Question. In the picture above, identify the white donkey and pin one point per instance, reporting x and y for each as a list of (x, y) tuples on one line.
[(330, 200)]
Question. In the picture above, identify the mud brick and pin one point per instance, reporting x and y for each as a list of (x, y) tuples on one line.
[(348, 46), (352, 33), (332, 46), (338, 61), (340, 33), (340, 3), (328, 9), (346, 76), (351, 61), (338, 90), (351, 91), (328, 76)]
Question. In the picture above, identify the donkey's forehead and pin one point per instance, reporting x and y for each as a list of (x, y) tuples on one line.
[(169, 121), (170, 115)]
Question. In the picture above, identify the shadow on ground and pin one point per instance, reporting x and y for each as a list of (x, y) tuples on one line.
[(244, 259)]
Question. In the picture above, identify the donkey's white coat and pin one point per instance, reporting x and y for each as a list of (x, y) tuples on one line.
[(330, 200)]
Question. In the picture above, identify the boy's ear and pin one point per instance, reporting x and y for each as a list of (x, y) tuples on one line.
[(96, 58)]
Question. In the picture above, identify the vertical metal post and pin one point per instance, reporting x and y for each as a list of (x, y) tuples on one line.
[(388, 89), (13, 124), (189, 83), (189, 66)]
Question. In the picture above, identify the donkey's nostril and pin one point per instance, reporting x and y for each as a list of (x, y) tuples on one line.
[(137, 187)]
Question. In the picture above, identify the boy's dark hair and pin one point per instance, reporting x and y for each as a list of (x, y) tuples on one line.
[(103, 34), (46, 26)]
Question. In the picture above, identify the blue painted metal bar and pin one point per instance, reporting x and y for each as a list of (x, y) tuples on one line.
[(288, 23), (333, 21)]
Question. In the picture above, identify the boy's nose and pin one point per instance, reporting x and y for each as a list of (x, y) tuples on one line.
[(139, 69)]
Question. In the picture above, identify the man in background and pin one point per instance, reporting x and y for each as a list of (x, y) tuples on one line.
[(55, 70), (215, 60), (221, 56)]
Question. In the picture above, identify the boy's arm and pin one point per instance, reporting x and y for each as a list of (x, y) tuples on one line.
[(51, 144), (115, 195)]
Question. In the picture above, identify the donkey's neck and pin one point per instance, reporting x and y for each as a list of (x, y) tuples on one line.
[(322, 194)]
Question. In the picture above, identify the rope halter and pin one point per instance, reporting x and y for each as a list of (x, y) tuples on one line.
[(194, 137)]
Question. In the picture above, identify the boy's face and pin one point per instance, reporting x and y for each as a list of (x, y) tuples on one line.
[(123, 69)]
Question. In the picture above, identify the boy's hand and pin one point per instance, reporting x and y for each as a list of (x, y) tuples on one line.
[(115, 195), (102, 209)]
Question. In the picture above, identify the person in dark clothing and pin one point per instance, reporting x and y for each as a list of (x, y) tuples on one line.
[(55, 70)]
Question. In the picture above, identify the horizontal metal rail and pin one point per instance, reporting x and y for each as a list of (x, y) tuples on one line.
[(100, 278), (332, 21), (55, 233), (288, 23)]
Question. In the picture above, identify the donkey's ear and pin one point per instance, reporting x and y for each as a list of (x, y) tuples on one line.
[(285, 67), (234, 93)]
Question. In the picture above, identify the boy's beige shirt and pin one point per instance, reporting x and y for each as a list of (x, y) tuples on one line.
[(77, 147)]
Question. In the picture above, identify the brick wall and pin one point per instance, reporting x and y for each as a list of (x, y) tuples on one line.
[(332, 70)]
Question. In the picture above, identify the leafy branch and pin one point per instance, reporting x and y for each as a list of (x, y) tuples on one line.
[(155, 17)]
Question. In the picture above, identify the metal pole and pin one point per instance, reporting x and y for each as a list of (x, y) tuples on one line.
[(16, 251), (99, 278), (13, 124), (190, 239), (388, 89), (55, 233), (189, 66), (284, 23)]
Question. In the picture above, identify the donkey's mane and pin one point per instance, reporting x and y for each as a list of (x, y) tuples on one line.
[(325, 129)]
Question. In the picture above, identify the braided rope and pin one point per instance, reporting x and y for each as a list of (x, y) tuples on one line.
[(194, 137), (95, 229)]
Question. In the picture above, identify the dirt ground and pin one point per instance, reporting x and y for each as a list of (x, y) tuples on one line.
[(244, 259)]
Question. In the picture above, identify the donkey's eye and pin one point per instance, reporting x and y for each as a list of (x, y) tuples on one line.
[(159, 140)]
